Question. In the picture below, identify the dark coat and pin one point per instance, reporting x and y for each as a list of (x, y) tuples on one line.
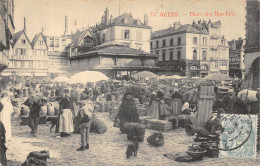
[(3, 148), (228, 104)]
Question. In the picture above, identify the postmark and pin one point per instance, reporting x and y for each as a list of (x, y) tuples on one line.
[(239, 138)]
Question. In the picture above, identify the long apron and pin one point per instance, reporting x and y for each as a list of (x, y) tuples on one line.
[(66, 121)]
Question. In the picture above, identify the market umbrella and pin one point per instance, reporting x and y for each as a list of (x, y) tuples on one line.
[(87, 76), (175, 77), (163, 77), (61, 79), (145, 74), (217, 77)]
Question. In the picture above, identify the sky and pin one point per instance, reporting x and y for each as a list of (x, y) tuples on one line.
[(50, 14)]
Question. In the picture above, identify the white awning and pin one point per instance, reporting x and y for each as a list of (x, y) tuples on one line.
[(40, 74), (24, 74), (6, 74)]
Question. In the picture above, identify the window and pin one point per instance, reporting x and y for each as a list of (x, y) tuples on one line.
[(195, 55), (179, 40), (204, 55), (138, 35), (195, 40), (224, 64), (171, 42), (164, 43), (30, 64), (127, 34), (22, 64), (63, 42), (157, 44), (204, 67), (56, 42), (51, 42), (40, 42), (163, 56), (216, 65), (103, 38), (204, 41), (151, 45), (171, 56), (22, 51), (178, 55), (23, 41)]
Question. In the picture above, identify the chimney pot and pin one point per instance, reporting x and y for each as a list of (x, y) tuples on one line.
[(24, 24)]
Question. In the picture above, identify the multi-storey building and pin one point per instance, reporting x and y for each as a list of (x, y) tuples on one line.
[(28, 59), (117, 46), (252, 47), (6, 31), (193, 50), (58, 63), (236, 58)]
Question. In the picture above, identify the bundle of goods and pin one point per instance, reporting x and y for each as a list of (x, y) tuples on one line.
[(141, 110), (50, 109), (43, 110), (144, 120), (156, 139), (161, 125), (173, 120), (135, 130), (211, 149), (24, 113), (183, 120), (98, 126), (37, 158), (196, 152)]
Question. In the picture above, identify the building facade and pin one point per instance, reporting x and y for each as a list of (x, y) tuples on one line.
[(6, 31), (236, 58), (252, 47), (28, 59), (117, 47), (193, 50)]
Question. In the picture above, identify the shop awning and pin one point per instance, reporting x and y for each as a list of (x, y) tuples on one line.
[(40, 74), (6, 74), (24, 74)]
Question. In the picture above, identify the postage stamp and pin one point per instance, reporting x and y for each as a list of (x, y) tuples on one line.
[(239, 138)]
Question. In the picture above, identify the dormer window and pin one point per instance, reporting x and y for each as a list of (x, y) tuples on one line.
[(125, 20), (23, 41), (138, 22)]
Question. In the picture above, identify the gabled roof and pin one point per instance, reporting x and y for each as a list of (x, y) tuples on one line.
[(17, 35), (171, 30), (80, 35), (36, 37), (236, 44), (130, 21)]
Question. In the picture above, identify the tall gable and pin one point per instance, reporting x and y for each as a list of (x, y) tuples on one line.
[(39, 37), (21, 37)]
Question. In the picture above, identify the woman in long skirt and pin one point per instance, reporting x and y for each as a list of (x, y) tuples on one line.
[(66, 117)]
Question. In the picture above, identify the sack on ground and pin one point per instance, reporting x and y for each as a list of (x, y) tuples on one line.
[(98, 126), (156, 139)]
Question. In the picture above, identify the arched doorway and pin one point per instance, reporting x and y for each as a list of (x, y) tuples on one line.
[(256, 73)]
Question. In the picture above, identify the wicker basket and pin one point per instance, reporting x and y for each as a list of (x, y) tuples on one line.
[(196, 152)]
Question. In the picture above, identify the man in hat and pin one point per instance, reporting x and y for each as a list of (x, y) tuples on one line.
[(34, 105), (84, 117), (228, 101)]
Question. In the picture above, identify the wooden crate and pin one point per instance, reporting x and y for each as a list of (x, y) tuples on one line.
[(144, 120), (205, 104), (160, 125)]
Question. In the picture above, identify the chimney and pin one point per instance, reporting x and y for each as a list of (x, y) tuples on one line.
[(176, 25), (193, 23), (111, 19), (24, 24), (106, 14), (42, 30), (146, 20), (66, 26)]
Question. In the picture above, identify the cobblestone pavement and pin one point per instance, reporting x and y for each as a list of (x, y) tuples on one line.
[(105, 149)]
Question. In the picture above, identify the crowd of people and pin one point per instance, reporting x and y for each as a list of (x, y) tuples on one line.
[(77, 102)]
